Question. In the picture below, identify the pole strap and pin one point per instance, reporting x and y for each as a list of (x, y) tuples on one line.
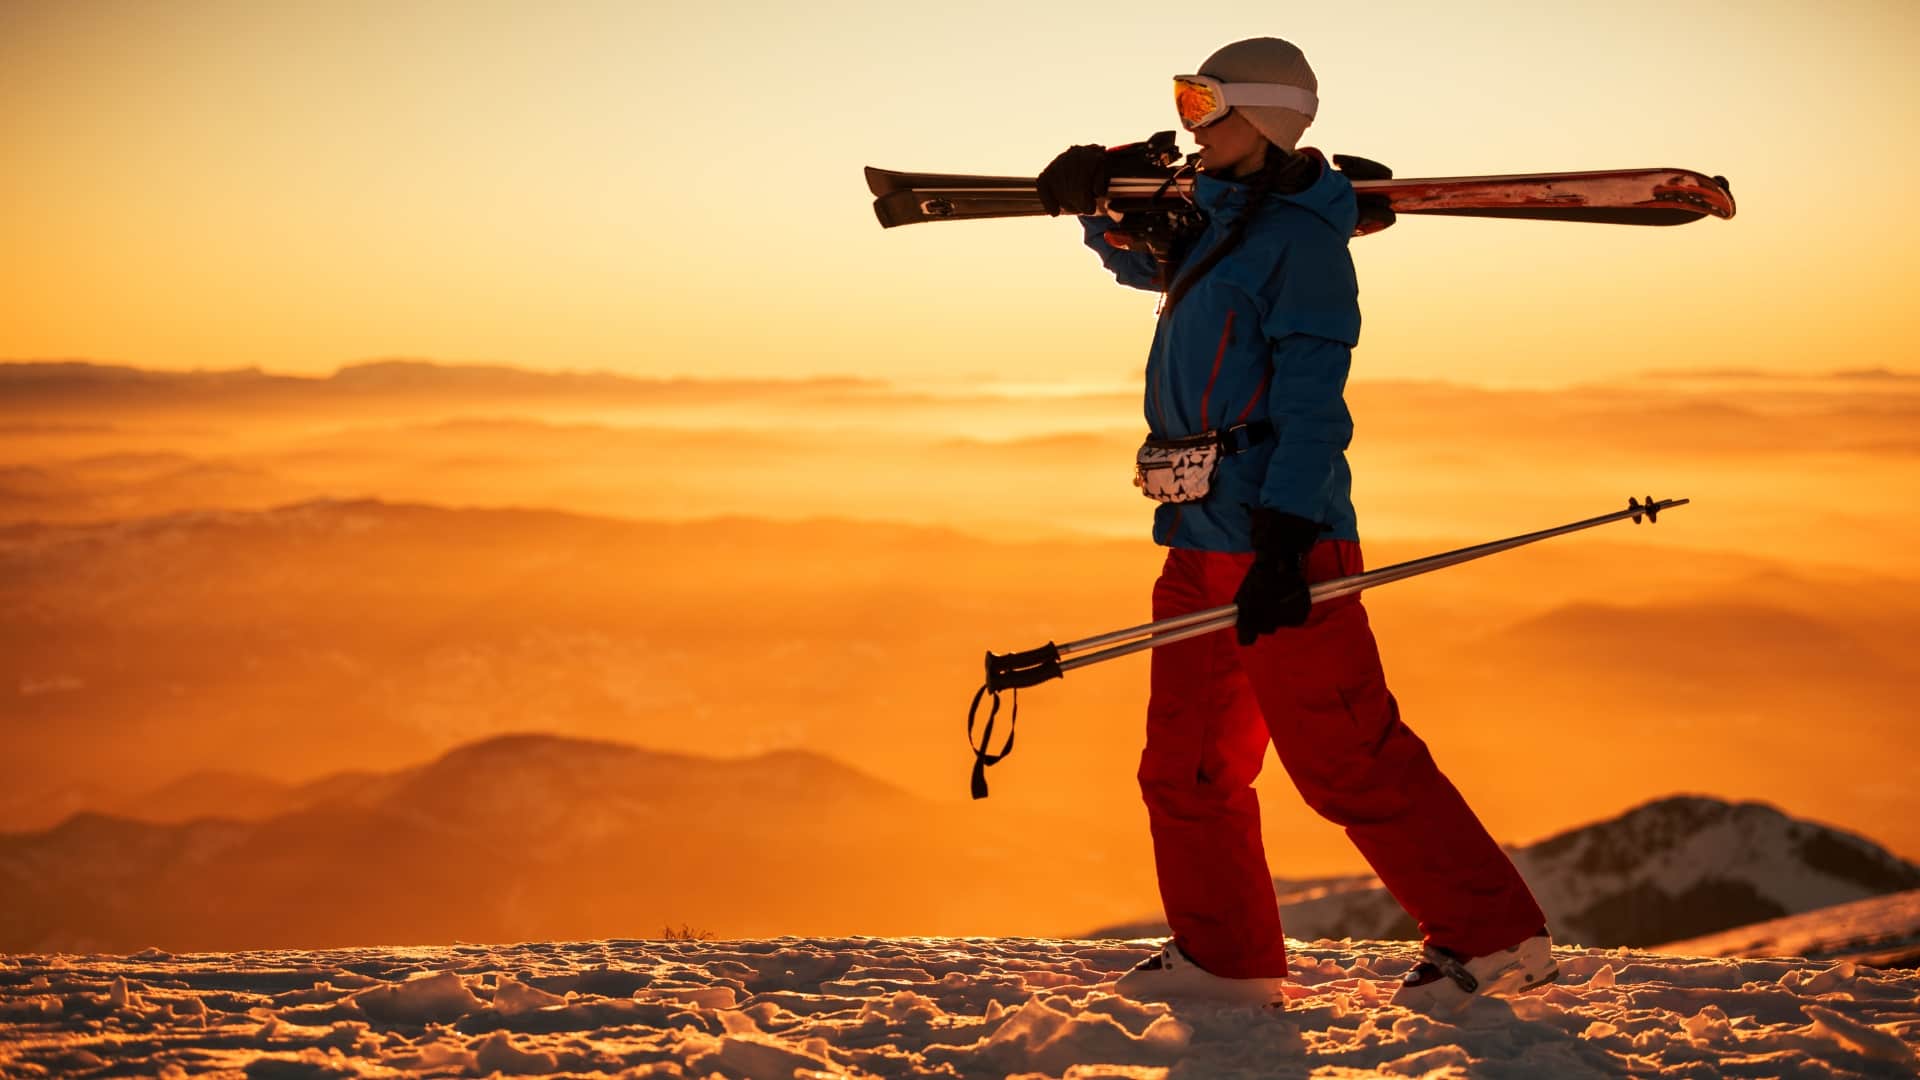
[(981, 757)]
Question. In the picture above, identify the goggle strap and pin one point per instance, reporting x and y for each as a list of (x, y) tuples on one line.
[(1297, 98)]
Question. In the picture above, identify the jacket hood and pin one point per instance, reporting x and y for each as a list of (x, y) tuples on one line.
[(1329, 198)]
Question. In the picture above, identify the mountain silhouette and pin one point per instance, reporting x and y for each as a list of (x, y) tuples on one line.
[(531, 837)]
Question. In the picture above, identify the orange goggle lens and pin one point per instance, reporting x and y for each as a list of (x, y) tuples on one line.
[(1197, 103)]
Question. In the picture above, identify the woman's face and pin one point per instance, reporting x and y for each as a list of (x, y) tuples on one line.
[(1230, 146)]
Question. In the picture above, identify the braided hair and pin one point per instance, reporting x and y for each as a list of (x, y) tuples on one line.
[(1285, 171)]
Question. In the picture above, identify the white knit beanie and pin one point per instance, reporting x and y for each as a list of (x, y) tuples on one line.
[(1267, 60)]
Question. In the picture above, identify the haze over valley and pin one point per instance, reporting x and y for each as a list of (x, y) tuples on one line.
[(280, 579)]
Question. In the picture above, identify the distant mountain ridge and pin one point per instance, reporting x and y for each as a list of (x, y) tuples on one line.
[(524, 837), (515, 782), (253, 641), (1690, 652), (1676, 868), (37, 382)]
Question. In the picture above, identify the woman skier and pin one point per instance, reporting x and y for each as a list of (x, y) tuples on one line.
[(1247, 431)]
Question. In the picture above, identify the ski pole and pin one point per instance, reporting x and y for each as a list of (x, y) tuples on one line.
[(1011, 671)]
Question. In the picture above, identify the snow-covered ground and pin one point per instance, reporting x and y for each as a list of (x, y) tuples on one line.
[(1882, 930), (811, 1008)]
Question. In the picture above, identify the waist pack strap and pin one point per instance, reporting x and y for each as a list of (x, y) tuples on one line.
[(1243, 437), (1235, 440)]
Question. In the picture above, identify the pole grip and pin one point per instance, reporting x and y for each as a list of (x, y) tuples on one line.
[(1012, 671)]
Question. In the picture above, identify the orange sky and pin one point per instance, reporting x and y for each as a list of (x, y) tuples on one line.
[(662, 189), (675, 188)]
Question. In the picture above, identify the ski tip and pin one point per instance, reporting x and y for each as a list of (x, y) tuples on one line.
[(1699, 194), (881, 181)]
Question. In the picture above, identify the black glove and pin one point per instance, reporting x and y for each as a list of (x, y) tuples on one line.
[(1073, 180), (1274, 592), (1376, 212)]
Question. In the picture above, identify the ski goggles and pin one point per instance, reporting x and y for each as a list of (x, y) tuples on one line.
[(1202, 99)]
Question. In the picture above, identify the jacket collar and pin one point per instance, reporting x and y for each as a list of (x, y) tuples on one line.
[(1219, 197), (1330, 196)]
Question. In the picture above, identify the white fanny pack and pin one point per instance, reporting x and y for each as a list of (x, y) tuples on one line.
[(1181, 470)]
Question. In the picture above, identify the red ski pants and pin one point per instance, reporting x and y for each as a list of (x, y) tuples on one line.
[(1318, 694)]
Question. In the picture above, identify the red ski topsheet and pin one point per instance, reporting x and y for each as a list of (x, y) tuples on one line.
[(1623, 196)]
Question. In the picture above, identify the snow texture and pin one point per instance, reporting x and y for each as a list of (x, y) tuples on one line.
[(1883, 931), (808, 1009)]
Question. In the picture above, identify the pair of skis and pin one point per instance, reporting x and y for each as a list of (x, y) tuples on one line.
[(1614, 197)]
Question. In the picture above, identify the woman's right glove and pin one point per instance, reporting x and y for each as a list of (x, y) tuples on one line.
[(1274, 592), (1376, 211), (1073, 180)]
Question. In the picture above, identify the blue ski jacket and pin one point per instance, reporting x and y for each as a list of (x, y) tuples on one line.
[(1267, 334)]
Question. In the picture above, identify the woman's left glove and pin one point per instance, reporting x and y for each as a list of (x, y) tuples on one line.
[(1274, 592), (1074, 179)]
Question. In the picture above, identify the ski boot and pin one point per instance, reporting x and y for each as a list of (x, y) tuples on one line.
[(1446, 982), (1171, 975)]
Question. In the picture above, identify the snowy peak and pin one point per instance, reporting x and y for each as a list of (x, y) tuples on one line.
[(1689, 865), (1622, 845)]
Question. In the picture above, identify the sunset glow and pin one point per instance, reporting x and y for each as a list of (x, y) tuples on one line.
[(443, 371), (675, 189)]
